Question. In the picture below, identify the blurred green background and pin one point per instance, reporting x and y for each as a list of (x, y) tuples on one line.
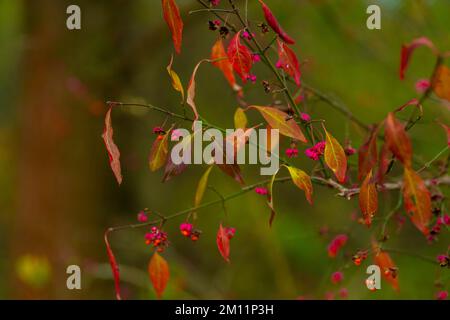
[(58, 194)]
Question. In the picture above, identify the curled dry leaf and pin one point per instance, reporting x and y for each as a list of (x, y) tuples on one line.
[(270, 199), (441, 82), (223, 63), (408, 49), (173, 19), (280, 120), (397, 140), (111, 147), (447, 131), (159, 152), (368, 199), (240, 119), (114, 266), (273, 23), (158, 270), (417, 200), (240, 57), (223, 243), (176, 82), (367, 154), (386, 264), (289, 62), (335, 157), (302, 180), (191, 90)]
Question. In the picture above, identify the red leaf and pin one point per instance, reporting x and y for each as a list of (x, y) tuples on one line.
[(232, 170), (417, 200), (173, 170), (224, 65), (113, 151), (173, 19), (408, 49), (158, 270), (397, 140), (114, 266), (223, 243), (240, 57), (367, 154), (368, 199), (273, 23), (383, 162), (289, 62)]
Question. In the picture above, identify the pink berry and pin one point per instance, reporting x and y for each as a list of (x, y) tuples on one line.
[(262, 191), (142, 217), (305, 117), (337, 277), (442, 295)]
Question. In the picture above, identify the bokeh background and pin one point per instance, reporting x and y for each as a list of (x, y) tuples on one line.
[(58, 194)]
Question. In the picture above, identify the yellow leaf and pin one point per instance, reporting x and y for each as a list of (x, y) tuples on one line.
[(302, 180), (442, 82), (335, 157), (201, 187), (280, 120), (240, 119), (159, 152), (176, 82)]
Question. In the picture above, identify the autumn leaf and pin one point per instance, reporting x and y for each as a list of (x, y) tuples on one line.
[(201, 187), (240, 57), (240, 119), (367, 154), (223, 243), (302, 180), (232, 170), (173, 19), (408, 49), (289, 62), (397, 140), (159, 152), (441, 82), (280, 120), (191, 90), (417, 200), (388, 268), (111, 147), (158, 270), (335, 157), (221, 61), (368, 199), (172, 170), (273, 23), (176, 82), (114, 266), (383, 162)]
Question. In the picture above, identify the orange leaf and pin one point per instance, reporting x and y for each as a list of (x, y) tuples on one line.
[(176, 82), (111, 147), (223, 63), (302, 180), (441, 82), (158, 270), (159, 152), (191, 90), (397, 140), (368, 198), (289, 61), (280, 120), (367, 154), (173, 19), (240, 57), (387, 266), (417, 200), (114, 266), (408, 49), (383, 162), (223, 243), (335, 157)]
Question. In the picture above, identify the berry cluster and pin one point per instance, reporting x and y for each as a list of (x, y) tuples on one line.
[(316, 151), (157, 238), (359, 257), (187, 230)]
